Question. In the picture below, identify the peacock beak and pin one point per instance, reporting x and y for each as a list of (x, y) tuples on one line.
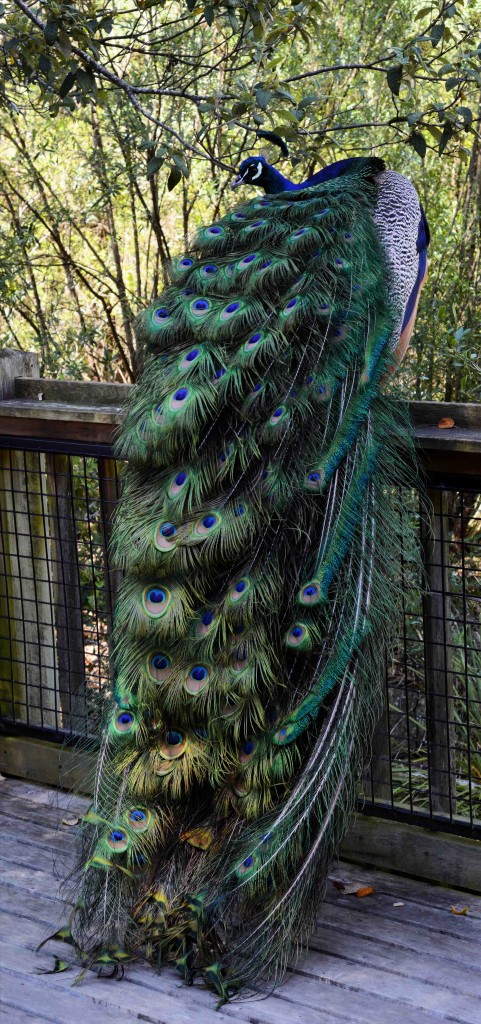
[(236, 182)]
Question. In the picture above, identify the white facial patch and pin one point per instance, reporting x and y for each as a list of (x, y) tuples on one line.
[(258, 172)]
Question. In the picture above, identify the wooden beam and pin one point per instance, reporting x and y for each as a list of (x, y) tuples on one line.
[(414, 850)]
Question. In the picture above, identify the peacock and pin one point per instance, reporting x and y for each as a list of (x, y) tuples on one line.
[(258, 532)]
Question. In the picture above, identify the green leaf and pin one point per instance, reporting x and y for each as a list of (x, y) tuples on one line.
[(422, 13), (307, 100), (209, 17), (51, 30), (64, 44), (263, 97), (418, 142), (451, 83), (466, 114), (174, 178), (67, 84), (451, 11), (44, 64), (239, 108), (394, 78), (181, 164), (445, 137), (434, 131), (153, 166), (437, 33), (412, 118)]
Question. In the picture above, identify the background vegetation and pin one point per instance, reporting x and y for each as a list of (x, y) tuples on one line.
[(122, 123)]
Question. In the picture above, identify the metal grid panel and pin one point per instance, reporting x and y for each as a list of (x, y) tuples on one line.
[(57, 592)]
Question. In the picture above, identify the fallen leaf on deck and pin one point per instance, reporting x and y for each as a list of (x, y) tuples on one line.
[(2, 778), (398, 904), (445, 423), (462, 912), (365, 890), (70, 821), (347, 888)]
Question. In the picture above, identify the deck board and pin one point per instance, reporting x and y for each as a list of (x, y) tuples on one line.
[(368, 961)]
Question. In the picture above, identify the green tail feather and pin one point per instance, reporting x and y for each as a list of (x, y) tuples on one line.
[(258, 533)]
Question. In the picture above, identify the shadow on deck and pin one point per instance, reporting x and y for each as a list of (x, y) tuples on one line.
[(399, 956)]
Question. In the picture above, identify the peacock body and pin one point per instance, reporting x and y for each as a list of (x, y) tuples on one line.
[(258, 533)]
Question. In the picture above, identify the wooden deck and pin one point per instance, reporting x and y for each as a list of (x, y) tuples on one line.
[(399, 956)]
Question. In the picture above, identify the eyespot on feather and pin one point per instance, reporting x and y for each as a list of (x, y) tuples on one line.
[(158, 666), (174, 744), (124, 722), (310, 593), (139, 819), (155, 601), (197, 679), (164, 536), (118, 841)]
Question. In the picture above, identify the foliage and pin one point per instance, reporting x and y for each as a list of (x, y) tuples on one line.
[(121, 124)]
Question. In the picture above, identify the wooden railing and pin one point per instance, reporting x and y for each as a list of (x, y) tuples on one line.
[(45, 425)]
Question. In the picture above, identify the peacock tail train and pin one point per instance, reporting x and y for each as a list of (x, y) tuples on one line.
[(259, 534)]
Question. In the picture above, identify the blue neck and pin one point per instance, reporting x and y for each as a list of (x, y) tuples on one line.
[(276, 182)]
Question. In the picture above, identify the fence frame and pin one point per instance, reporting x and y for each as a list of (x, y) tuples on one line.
[(35, 411)]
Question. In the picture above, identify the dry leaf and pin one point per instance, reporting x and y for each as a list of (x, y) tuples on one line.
[(460, 913), (347, 888), (2, 778), (445, 423), (365, 890), (70, 821), (398, 904)]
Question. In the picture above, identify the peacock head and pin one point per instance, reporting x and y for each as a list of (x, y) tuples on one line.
[(254, 170)]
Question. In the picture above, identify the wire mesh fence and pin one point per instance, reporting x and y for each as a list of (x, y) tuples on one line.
[(57, 591)]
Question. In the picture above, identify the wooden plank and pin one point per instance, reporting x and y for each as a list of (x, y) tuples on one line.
[(71, 392), (41, 999), (414, 850), (437, 919), (14, 363), (400, 887), (47, 762), (452, 950), (464, 414)]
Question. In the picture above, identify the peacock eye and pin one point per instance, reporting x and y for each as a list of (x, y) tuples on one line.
[(208, 618), (161, 315), (297, 234), (257, 387), (230, 310), (173, 744), (190, 358), (310, 594), (207, 524), (247, 750), (186, 263), (239, 510), (220, 372), (177, 484), (188, 291), (197, 678), (224, 455), (139, 819), (124, 722), (164, 536), (117, 840), (155, 601), (158, 666), (178, 399), (255, 224), (266, 263), (214, 230), (247, 260), (239, 216), (291, 303), (200, 307)]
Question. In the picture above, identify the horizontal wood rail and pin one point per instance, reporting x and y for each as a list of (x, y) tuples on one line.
[(87, 412)]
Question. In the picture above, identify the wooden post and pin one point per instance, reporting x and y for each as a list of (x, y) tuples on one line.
[(437, 656), (27, 641)]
